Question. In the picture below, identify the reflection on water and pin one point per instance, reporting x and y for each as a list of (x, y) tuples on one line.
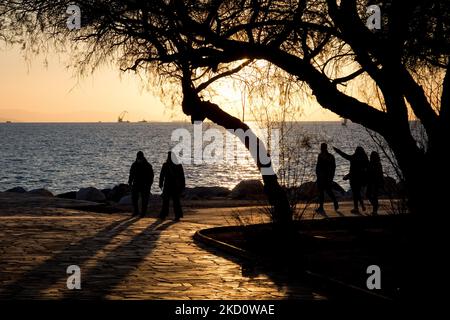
[(65, 157)]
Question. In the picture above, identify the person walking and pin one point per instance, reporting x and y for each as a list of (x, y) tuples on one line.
[(375, 180), (140, 180), (172, 182), (359, 163), (325, 170)]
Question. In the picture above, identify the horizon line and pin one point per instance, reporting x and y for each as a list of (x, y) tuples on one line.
[(134, 122)]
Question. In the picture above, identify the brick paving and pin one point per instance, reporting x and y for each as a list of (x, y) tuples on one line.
[(127, 258), (123, 258)]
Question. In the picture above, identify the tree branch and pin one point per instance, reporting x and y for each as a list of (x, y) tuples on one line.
[(445, 99), (205, 84), (349, 77), (325, 91)]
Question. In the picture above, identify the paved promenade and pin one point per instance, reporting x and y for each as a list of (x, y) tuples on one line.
[(126, 258)]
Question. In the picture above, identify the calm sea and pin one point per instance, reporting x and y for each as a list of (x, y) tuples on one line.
[(63, 157)]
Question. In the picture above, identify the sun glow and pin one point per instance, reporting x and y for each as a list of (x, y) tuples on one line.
[(36, 93)]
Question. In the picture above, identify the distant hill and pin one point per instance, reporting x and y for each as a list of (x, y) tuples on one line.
[(23, 115), (6, 119)]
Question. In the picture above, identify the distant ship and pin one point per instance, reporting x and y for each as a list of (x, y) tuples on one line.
[(143, 121), (121, 117), (8, 121)]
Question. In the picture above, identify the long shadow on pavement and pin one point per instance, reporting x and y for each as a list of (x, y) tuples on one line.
[(294, 286), (99, 281), (51, 271)]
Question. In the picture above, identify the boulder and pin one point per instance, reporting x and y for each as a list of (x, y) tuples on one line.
[(17, 190), (248, 189), (205, 192), (309, 191), (90, 194), (107, 193), (72, 195), (390, 187), (401, 189), (118, 192), (337, 187), (41, 192), (126, 200)]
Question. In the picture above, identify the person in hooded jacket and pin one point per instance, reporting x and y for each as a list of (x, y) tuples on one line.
[(140, 181), (325, 170), (172, 182)]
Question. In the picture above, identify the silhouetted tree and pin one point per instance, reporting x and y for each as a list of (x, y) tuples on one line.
[(322, 43)]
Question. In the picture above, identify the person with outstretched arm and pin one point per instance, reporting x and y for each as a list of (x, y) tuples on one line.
[(359, 163)]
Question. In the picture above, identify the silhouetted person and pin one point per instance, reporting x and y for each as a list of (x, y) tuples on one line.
[(325, 169), (375, 180), (359, 163), (172, 182), (140, 180)]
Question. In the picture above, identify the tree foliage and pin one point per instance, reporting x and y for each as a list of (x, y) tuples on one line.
[(324, 44)]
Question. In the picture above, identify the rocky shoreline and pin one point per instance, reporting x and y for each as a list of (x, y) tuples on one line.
[(244, 190)]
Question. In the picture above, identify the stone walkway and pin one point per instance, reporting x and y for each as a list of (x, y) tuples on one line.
[(123, 258), (127, 258)]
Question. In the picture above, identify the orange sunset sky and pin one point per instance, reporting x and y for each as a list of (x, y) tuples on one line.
[(31, 92)]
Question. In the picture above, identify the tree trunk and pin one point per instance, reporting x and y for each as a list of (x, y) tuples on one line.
[(199, 110), (426, 177), (424, 172)]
